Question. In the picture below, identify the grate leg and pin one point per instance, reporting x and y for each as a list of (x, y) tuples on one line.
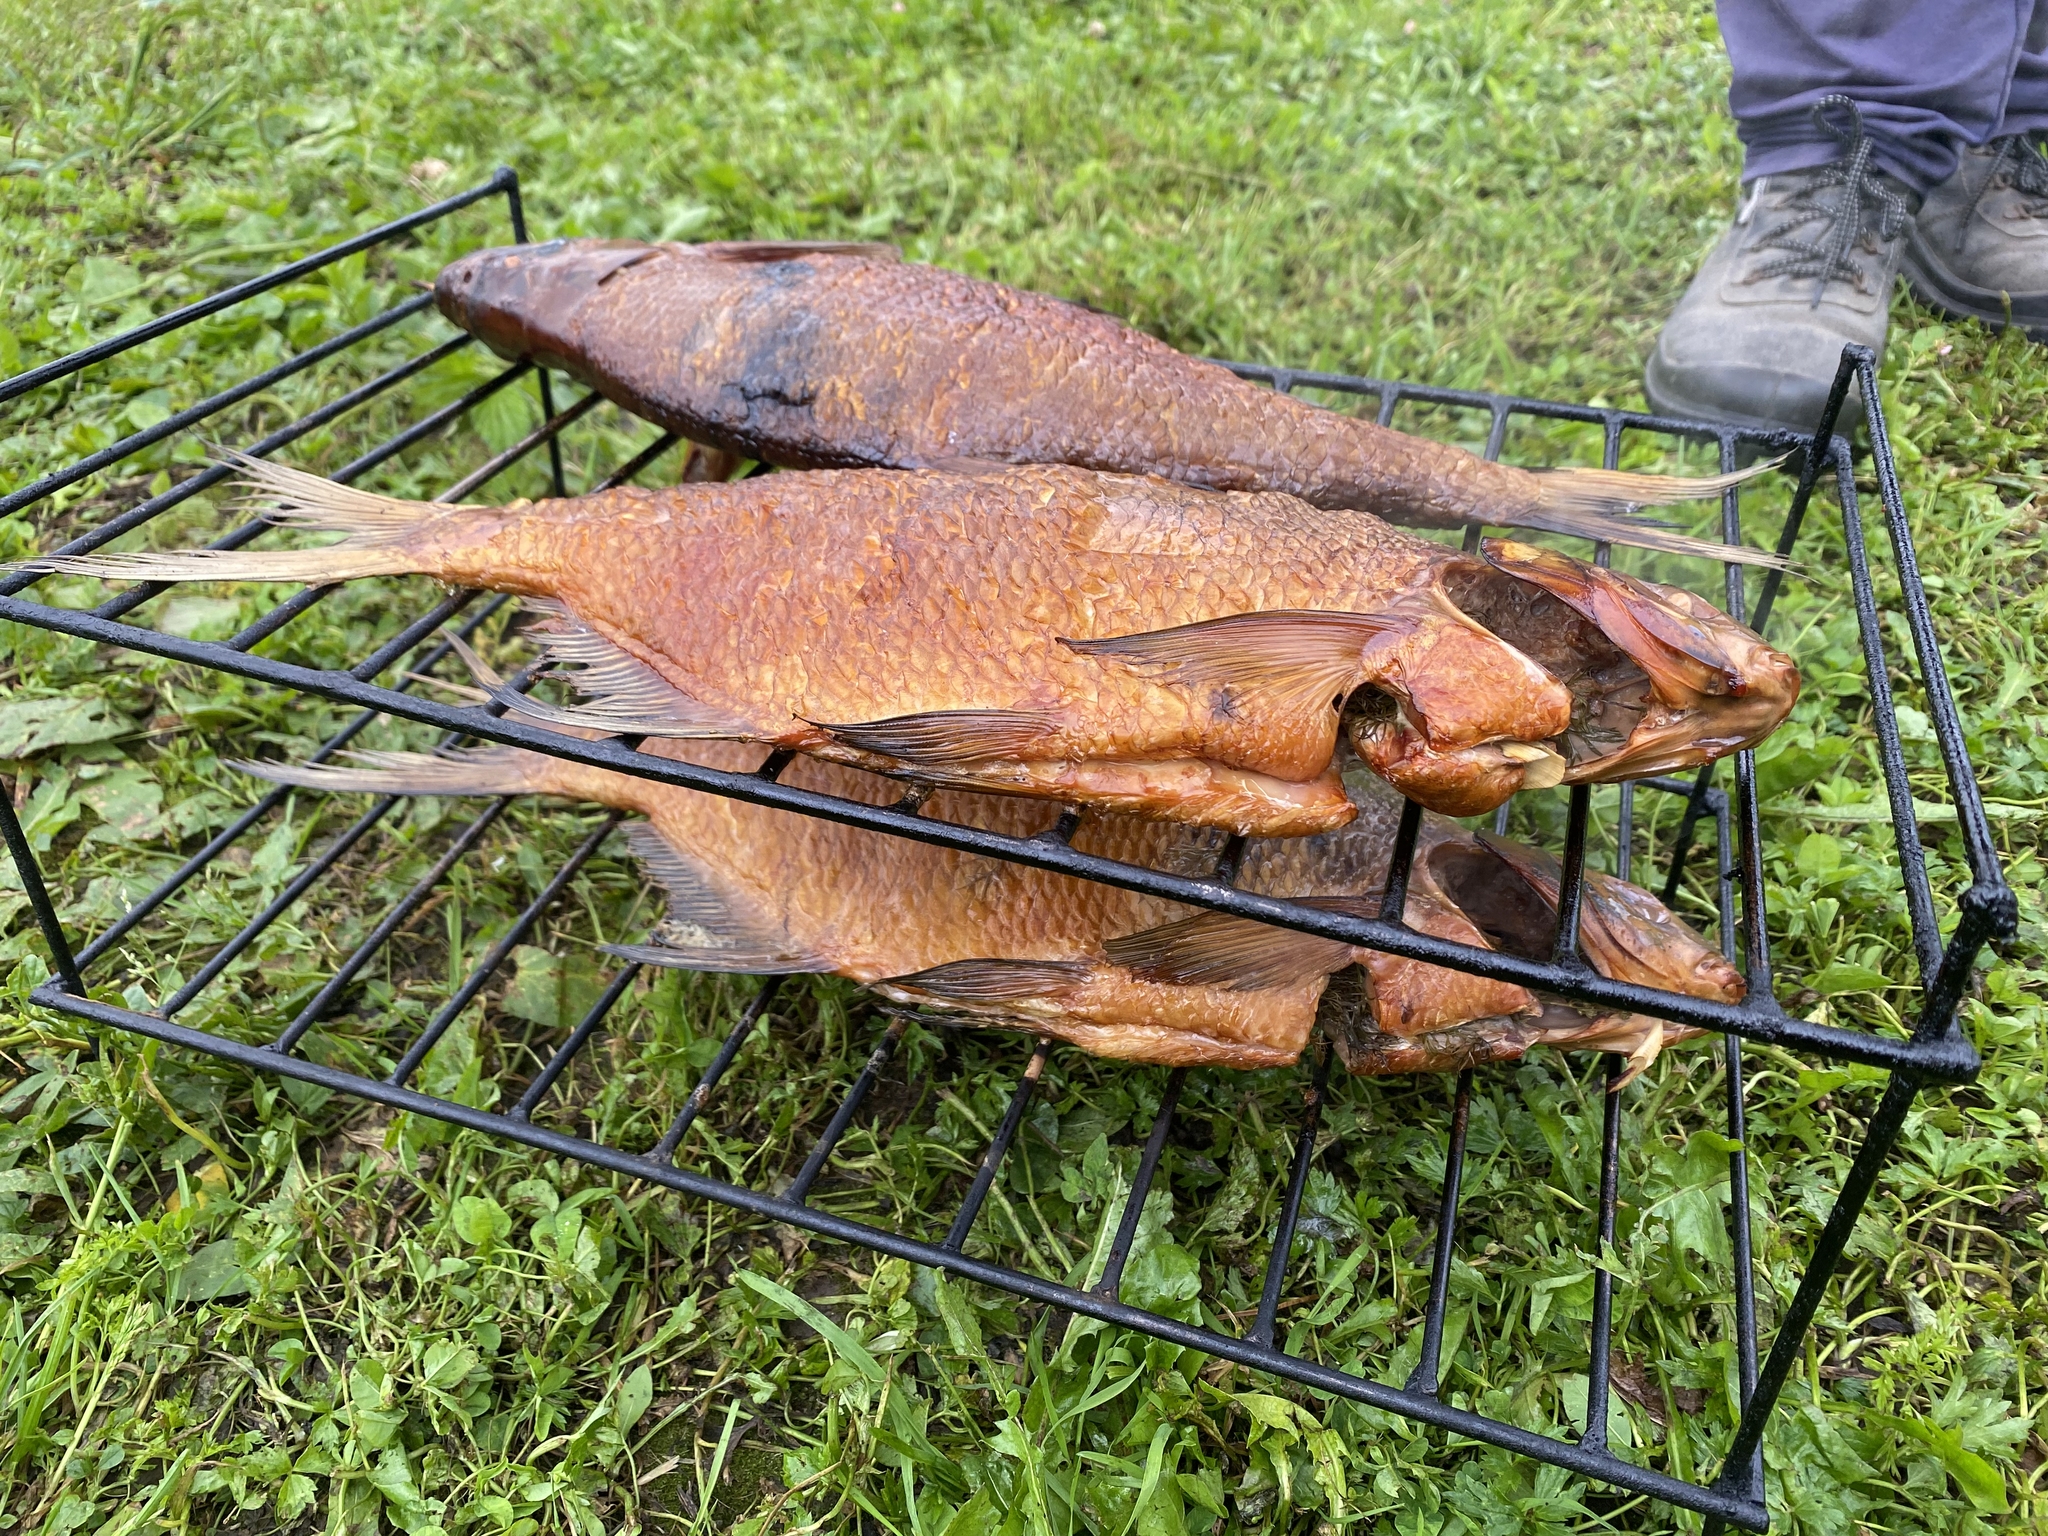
[(985, 1175), (1429, 1368), (1134, 1205), (664, 1151), (1290, 1207)]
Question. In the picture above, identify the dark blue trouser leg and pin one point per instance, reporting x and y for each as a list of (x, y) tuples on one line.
[(1929, 77)]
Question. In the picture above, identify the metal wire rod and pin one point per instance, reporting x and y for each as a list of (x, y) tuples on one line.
[(578, 1038), (512, 938), (1290, 1204), (985, 1175), (1428, 1365), (1112, 1279), (664, 1151), (842, 1117)]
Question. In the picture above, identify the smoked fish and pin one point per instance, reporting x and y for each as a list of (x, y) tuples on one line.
[(830, 356), (1106, 640), (756, 890)]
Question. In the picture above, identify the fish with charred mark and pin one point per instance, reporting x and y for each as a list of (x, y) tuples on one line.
[(813, 356), (757, 890), (1106, 640)]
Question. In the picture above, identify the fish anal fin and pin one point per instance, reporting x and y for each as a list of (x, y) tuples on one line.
[(994, 981), (1235, 953), (732, 962), (951, 735), (755, 251), (623, 694), (1285, 658), (709, 927)]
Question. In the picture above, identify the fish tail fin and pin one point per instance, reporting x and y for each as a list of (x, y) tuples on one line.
[(467, 771), (381, 532), (1600, 503)]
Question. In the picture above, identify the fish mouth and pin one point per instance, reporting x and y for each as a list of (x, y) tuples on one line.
[(1659, 679), (521, 300)]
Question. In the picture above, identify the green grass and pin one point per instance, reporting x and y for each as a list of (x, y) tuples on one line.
[(230, 1304)]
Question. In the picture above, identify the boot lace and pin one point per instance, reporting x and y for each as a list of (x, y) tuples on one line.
[(2019, 167), (1844, 220)]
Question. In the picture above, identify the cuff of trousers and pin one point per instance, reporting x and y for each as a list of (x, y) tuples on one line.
[(1919, 162)]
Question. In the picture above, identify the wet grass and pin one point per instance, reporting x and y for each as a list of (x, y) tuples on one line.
[(230, 1304)]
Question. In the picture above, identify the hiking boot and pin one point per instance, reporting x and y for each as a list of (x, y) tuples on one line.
[(1807, 266), (1981, 239)]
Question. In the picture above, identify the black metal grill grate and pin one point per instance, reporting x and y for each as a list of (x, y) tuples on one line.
[(1936, 1052)]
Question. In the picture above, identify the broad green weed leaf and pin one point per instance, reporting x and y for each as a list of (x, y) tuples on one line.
[(1845, 976), (480, 1221), (29, 726), (636, 1392)]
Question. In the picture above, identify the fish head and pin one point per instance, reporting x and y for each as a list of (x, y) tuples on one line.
[(521, 301), (1452, 715), (1511, 890), (1706, 685)]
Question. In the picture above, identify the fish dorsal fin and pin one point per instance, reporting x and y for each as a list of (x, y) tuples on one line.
[(994, 981), (951, 735), (706, 928), (1235, 953), (796, 250), (1287, 659), (623, 694)]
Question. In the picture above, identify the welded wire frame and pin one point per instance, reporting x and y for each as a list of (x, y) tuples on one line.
[(1936, 1051)]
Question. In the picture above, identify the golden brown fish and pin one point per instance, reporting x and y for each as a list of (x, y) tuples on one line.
[(838, 356), (758, 890), (1103, 640)]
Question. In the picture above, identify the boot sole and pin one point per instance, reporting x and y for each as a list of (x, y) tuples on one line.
[(1962, 301), (1665, 401)]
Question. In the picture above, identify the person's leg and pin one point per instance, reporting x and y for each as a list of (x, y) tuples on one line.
[(1850, 112), (1927, 76)]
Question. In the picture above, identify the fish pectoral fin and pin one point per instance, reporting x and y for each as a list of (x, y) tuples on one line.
[(707, 928), (950, 735), (796, 250), (623, 695), (1284, 658), (1235, 953), (993, 981)]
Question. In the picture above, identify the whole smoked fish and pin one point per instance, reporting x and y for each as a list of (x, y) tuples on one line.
[(1102, 640), (757, 890), (840, 356)]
